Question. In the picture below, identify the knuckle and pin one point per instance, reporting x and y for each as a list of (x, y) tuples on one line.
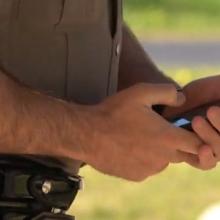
[(197, 122), (142, 91), (169, 87), (173, 92), (177, 160), (213, 166), (172, 88), (139, 88), (141, 179), (162, 167), (141, 173), (207, 167), (138, 178), (204, 167)]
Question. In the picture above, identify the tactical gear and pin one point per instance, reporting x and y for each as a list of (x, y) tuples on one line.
[(30, 190), (67, 49)]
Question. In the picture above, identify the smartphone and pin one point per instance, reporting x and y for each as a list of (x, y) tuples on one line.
[(185, 119)]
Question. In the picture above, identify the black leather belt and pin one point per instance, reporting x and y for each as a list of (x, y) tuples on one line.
[(32, 191)]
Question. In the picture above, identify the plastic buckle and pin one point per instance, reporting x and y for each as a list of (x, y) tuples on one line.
[(55, 192)]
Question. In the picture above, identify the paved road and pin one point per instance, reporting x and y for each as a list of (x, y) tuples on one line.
[(185, 54)]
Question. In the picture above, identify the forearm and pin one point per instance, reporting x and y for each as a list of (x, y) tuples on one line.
[(33, 123), (135, 65)]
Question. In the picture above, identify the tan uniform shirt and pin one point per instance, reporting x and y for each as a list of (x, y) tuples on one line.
[(68, 49)]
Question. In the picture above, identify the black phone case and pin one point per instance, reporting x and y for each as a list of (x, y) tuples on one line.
[(189, 115)]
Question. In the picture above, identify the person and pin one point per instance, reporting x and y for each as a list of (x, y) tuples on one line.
[(77, 87)]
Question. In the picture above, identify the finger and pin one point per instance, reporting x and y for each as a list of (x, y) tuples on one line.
[(188, 158), (164, 94), (194, 98), (207, 159), (207, 133), (213, 115), (160, 168), (193, 91), (151, 94), (182, 140)]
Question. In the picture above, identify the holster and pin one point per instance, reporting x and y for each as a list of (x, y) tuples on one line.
[(32, 191)]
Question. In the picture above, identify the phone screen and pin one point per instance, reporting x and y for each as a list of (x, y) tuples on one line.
[(185, 120), (181, 122)]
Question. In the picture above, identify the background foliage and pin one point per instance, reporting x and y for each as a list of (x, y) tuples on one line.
[(185, 19)]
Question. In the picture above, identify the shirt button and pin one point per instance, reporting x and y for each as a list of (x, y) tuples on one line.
[(118, 49)]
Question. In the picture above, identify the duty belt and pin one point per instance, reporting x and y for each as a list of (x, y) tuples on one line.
[(31, 191)]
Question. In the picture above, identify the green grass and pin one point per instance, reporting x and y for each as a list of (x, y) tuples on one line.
[(174, 19), (179, 193)]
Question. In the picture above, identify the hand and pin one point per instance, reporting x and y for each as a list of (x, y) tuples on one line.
[(133, 142), (209, 131), (127, 138), (197, 93)]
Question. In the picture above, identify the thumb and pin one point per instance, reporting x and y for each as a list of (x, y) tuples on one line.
[(165, 94)]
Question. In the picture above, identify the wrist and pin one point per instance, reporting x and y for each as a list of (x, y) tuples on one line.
[(77, 131), (85, 123), (93, 128), (56, 127), (33, 123)]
